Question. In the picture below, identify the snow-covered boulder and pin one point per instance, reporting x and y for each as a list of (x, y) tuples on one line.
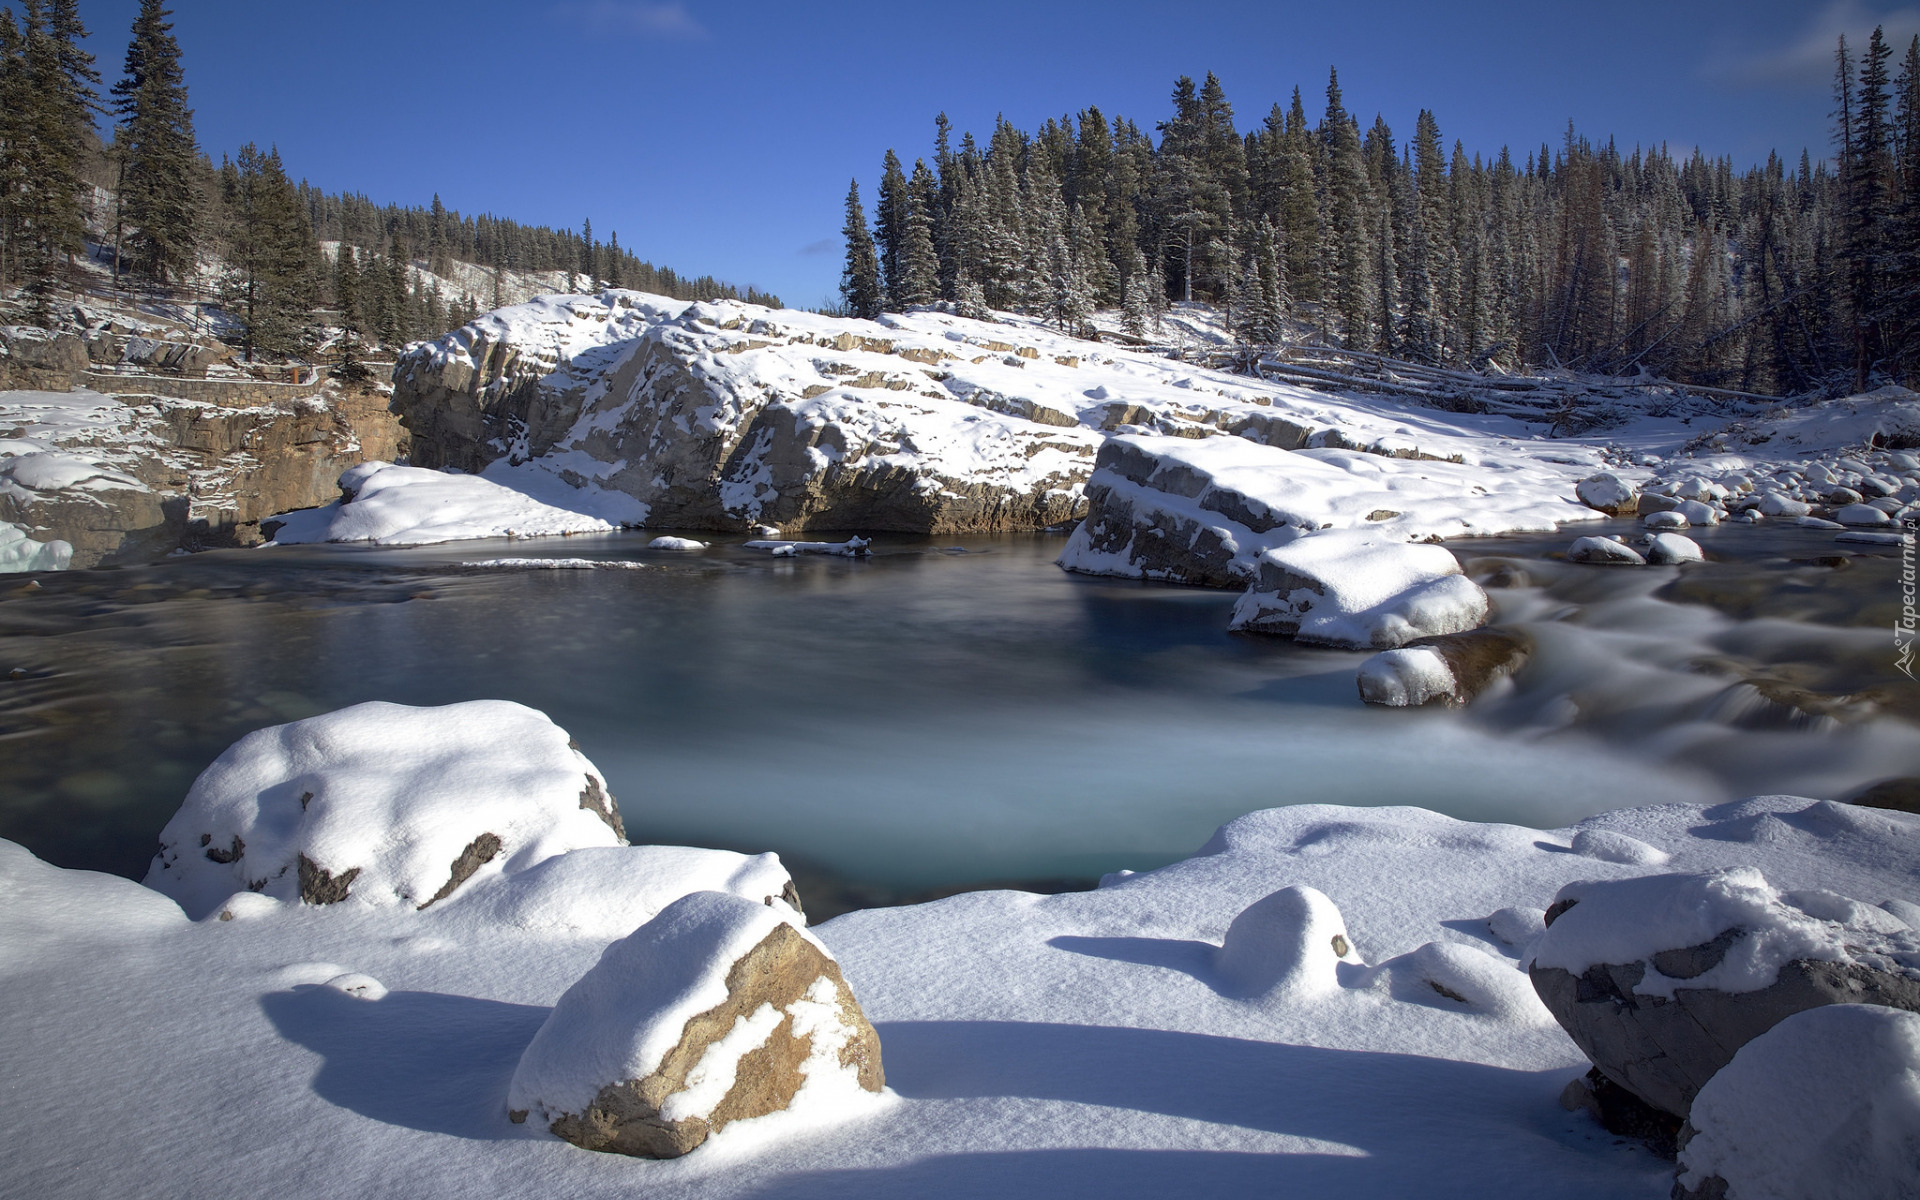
[(1671, 518), (1865, 515), (1355, 590), (1604, 550), (1450, 669), (1609, 493), (717, 1010), (18, 552), (676, 543), (1698, 512), (1779, 504), (1823, 1106), (410, 506), (1665, 549), (383, 804), (1661, 979), (1288, 945)]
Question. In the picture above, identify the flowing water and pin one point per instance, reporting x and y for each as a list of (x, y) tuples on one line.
[(949, 713)]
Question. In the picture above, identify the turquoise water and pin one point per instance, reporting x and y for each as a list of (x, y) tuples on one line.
[(940, 715)]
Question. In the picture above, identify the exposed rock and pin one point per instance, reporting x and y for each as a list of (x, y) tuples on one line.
[(1450, 669), (718, 1010), (1900, 795), (36, 359), (1621, 1112), (1662, 1022)]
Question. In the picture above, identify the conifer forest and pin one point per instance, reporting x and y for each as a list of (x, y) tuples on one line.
[(1795, 277), (151, 202)]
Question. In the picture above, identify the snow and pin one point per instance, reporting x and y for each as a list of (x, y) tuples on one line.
[(1667, 519), (391, 792), (1627, 921), (854, 547), (623, 1016), (676, 543), (1670, 548), (607, 892), (1823, 1106), (1358, 589), (411, 506), (18, 552), (1406, 677), (1605, 490), (1083, 1043), (1604, 550), (1861, 514)]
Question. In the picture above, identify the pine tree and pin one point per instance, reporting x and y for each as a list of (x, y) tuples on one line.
[(893, 216), (860, 279), (269, 285), (919, 264), (346, 287), (1348, 202), (616, 274), (50, 138), (158, 158), (1902, 317)]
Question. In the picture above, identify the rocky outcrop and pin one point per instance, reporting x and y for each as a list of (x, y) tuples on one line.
[(37, 359), (128, 479), (667, 403), (718, 1010), (1663, 1022)]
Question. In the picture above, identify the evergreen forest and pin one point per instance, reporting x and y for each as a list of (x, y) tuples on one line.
[(148, 201), (1788, 278)]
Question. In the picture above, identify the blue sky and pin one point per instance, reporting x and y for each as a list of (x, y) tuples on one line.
[(720, 138)]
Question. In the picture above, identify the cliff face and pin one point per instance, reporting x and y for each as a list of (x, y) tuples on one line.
[(129, 478)]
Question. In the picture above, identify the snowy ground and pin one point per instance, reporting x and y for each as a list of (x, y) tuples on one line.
[(1096, 1043)]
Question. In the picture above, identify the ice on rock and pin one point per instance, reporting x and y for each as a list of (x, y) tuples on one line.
[(384, 804), (1288, 945), (1355, 590), (717, 1010), (1604, 550), (1823, 1106), (1669, 548)]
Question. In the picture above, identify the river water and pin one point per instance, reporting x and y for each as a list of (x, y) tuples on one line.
[(948, 714)]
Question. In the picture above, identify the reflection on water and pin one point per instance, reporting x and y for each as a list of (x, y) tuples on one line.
[(940, 714)]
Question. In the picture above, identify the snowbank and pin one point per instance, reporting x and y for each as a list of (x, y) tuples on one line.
[(408, 506)]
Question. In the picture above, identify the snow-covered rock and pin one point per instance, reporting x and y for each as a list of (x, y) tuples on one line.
[(676, 543), (383, 804), (1608, 493), (1697, 512), (18, 552), (410, 506), (1287, 946), (1671, 518), (1779, 504), (1359, 590), (1864, 515), (1823, 1106), (1661, 979), (1665, 549), (717, 1010), (1604, 550), (1451, 669)]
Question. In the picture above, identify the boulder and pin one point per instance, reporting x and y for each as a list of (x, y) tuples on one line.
[(1660, 979), (717, 1010), (1604, 550), (1779, 504), (1698, 512), (1865, 515), (383, 804), (1666, 549), (1671, 518), (1608, 493), (1345, 588), (1825, 1106), (1450, 669), (33, 358)]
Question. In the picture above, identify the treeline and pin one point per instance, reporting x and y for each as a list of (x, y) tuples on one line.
[(166, 216), (1777, 279)]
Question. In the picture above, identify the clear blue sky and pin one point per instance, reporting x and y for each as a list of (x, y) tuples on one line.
[(720, 137)]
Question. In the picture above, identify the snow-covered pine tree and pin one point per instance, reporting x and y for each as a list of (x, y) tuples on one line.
[(893, 213), (1003, 267), (860, 279), (1349, 217)]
